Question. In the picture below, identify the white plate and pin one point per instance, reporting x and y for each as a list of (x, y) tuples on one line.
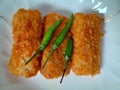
[(109, 79)]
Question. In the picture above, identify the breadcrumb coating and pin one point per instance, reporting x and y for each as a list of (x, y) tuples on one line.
[(27, 32), (55, 65), (87, 33)]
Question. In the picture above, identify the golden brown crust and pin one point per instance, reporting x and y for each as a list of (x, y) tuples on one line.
[(87, 33), (27, 31), (55, 65)]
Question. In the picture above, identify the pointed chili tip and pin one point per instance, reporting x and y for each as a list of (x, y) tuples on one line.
[(61, 81), (26, 63), (43, 66), (48, 58), (62, 76)]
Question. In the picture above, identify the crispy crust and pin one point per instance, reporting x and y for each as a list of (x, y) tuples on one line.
[(27, 31), (87, 33), (54, 67)]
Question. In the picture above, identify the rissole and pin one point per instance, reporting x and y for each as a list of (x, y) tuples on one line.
[(87, 33), (27, 31), (55, 65)]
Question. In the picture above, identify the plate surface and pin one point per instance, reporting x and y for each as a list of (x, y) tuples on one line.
[(109, 79)]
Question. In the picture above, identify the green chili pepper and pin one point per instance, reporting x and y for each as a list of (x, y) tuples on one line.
[(68, 54), (60, 38), (46, 39)]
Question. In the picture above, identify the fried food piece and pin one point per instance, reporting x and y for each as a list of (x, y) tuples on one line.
[(87, 34), (55, 65), (27, 31)]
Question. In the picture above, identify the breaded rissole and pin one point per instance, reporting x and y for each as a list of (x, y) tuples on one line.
[(87, 34), (27, 31), (55, 65)]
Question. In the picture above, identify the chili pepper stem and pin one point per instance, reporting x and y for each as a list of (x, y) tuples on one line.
[(64, 72), (48, 58), (34, 55)]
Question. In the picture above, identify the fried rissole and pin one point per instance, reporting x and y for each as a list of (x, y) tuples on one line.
[(27, 31), (55, 65), (87, 33)]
